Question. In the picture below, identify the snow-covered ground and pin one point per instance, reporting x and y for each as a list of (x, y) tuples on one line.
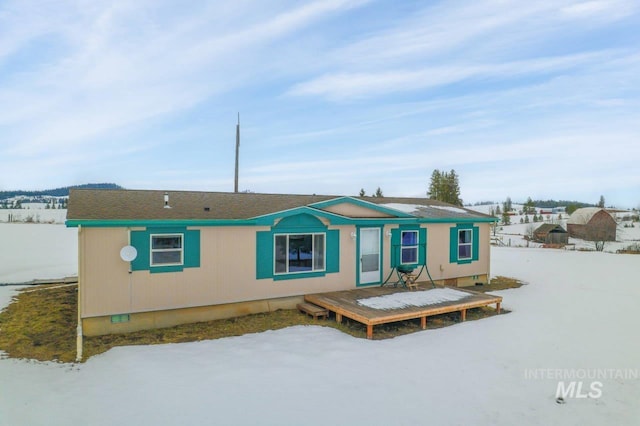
[(577, 315), (34, 251), (513, 235)]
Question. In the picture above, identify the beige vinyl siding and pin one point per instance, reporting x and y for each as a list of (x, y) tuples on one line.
[(227, 272), (438, 241), (104, 277)]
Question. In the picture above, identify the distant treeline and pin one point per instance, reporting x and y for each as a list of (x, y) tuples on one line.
[(57, 192), (560, 203), (549, 204)]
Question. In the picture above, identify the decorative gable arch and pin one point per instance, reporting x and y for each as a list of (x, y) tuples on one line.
[(297, 224), (304, 221)]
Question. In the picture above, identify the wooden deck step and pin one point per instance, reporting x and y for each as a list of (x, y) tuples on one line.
[(314, 310)]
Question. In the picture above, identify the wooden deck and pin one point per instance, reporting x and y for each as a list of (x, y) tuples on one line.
[(344, 304)]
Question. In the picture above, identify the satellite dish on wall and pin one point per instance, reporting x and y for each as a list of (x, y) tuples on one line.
[(128, 253)]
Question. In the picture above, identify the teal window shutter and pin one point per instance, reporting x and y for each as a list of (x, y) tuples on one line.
[(395, 247), (140, 240), (422, 247), (453, 245), (192, 249), (264, 254), (333, 251), (476, 243)]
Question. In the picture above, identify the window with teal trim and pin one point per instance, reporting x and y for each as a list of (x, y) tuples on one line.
[(409, 247), (299, 253), (292, 255), (465, 244), (166, 250)]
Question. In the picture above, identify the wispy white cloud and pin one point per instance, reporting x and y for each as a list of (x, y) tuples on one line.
[(334, 95), (121, 68), (343, 86), (605, 10)]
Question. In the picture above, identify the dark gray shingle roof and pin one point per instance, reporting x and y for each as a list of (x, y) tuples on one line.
[(92, 204)]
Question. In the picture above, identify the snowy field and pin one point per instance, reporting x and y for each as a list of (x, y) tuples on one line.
[(578, 313), (33, 213), (37, 251), (513, 235)]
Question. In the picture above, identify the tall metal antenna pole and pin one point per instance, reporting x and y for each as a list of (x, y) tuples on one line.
[(235, 187)]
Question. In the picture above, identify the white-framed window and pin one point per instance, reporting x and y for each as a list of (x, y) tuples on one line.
[(167, 249), (295, 253), (465, 244), (408, 247)]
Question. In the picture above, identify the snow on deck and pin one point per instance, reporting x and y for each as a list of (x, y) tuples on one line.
[(409, 299)]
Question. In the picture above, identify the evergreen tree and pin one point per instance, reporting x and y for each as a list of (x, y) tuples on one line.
[(435, 186), (507, 205), (445, 186), (378, 193), (362, 193), (601, 201), (453, 185), (506, 219), (529, 207)]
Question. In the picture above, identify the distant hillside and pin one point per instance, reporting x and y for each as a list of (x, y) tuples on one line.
[(57, 192), (541, 203), (560, 203)]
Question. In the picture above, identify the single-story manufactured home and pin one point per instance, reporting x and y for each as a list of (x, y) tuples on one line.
[(150, 259)]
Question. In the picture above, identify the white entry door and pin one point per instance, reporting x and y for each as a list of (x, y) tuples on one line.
[(369, 255)]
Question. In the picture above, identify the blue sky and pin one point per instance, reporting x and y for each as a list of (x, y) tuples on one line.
[(521, 98)]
